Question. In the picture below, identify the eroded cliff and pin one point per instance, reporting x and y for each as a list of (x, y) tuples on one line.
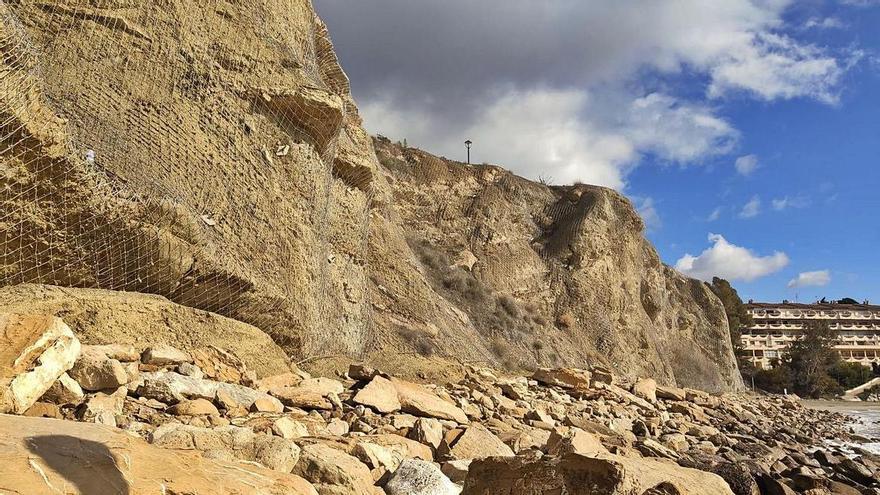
[(554, 275), (211, 153)]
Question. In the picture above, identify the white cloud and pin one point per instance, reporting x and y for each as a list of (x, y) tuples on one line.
[(730, 262), (498, 61), (715, 215), (773, 66), (747, 164), (810, 279), (780, 204), (824, 23), (648, 212), (751, 209), (569, 135)]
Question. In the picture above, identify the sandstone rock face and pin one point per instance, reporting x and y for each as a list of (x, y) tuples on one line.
[(34, 352), (317, 245), (133, 152), (46, 457)]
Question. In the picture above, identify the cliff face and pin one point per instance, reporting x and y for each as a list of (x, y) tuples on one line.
[(555, 275), (211, 153)]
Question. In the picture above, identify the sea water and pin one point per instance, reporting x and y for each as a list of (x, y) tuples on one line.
[(866, 419)]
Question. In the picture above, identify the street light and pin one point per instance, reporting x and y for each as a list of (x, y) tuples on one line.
[(468, 144)]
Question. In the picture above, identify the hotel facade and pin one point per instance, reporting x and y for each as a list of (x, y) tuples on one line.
[(775, 326)]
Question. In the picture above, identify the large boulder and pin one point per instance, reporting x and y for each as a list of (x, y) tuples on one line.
[(419, 400), (333, 471), (416, 477), (577, 474), (47, 457), (35, 351), (380, 394), (95, 370), (475, 442)]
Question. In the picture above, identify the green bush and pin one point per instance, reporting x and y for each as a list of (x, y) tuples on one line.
[(850, 375)]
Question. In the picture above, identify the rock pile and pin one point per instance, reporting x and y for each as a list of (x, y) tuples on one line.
[(561, 431)]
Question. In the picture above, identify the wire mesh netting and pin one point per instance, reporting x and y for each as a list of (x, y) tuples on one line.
[(196, 149)]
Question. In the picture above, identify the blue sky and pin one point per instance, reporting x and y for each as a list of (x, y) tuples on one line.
[(746, 131), (825, 159)]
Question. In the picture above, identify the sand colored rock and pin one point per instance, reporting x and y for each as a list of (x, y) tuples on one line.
[(333, 471), (34, 352), (670, 393), (164, 355), (323, 386), (417, 399), (140, 320), (475, 442), (230, 443), (171, 387), (94, 370), (428, 431), (196, 407), (266, 404), (43, 456), (379, 394), (576, 474), (646, 388), (286, 427), (218, 364), (575, 256), (564, 441), (102, 408), (563, 377), (302, 397), (65, 390)]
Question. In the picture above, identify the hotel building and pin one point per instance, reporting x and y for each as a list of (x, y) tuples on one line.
[(776, 326)]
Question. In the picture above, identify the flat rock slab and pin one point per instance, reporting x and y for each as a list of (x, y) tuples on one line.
[(170, 388), (577, 474), (419, 400), (563, 377), (230, 443), (35, 350), (46, 456)]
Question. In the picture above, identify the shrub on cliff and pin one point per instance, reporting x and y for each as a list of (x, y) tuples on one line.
[(737, 316)]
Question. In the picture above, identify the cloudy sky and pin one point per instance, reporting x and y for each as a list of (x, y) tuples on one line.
[(747, 132)]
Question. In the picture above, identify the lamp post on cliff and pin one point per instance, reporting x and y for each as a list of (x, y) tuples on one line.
[(467, 145)]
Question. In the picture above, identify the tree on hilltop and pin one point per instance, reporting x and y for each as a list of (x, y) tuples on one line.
[(737, 316)]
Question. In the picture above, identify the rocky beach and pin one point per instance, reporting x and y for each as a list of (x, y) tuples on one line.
[(561, 431)]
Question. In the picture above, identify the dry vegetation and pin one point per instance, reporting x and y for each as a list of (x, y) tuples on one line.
[(514, 329)]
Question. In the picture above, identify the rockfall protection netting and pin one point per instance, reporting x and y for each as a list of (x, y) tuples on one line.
[(180, 148)]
